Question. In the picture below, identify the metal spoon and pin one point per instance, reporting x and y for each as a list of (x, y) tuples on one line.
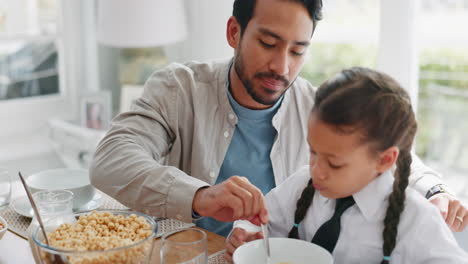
[(55, 258), (266, 242)]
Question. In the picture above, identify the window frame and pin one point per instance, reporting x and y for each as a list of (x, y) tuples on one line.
[(77, 68), (397, 48)]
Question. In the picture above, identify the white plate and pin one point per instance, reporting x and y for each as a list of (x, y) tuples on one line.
[(23, 207)]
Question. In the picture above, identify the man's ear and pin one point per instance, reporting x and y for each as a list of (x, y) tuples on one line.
[(388, 158), (233, 32)]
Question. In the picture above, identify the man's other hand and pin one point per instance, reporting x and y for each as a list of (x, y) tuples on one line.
[(454, 212)]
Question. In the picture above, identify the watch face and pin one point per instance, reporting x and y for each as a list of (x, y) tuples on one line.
[(435, 190)]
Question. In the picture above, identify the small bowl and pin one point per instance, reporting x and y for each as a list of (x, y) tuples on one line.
[(5, 227), (282, 250), (138, 252), (74, 180)]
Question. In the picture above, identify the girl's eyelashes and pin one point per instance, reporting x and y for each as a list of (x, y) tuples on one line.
[(331, 165), (335, 167)]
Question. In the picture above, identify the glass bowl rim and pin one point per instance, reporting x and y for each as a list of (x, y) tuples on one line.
[(3, 220), (165, 237), (54, 250), (69, 199)]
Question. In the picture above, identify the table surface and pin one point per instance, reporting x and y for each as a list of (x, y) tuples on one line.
[(15, 249), (215, 244)]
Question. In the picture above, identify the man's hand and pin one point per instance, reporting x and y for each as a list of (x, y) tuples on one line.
[(237, 238), (233, 199), (453, 211)]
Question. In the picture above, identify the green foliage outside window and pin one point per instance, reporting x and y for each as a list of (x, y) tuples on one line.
[(443, 91), (326, 59), (445, 67)]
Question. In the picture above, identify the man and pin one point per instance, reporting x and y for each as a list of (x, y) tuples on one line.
[(197, 125)]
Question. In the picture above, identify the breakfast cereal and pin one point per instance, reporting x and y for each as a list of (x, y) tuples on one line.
[(103, 231)]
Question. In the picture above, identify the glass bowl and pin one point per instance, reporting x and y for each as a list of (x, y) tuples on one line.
[(75, 180), (134, 252), (3, 227)]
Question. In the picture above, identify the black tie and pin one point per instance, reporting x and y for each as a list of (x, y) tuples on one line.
[(327, 235)]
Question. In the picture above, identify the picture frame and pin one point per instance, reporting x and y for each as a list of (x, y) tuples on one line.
[(95, 110)]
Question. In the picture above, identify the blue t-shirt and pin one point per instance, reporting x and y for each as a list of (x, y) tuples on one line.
[(248, 155)]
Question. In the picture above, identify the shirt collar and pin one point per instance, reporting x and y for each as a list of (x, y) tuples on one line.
[(371, 198)]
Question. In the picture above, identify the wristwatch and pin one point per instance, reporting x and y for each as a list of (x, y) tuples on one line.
[(439, 188)]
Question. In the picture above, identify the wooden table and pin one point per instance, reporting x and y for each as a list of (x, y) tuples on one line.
[(215, 244), (15, 249)]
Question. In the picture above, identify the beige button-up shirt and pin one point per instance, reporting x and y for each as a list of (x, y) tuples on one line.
[(173, 140)]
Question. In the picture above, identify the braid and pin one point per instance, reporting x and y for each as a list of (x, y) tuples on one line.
[(396, 204), (303, 204)]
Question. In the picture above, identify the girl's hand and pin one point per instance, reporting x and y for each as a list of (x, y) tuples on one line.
[(237, 238)]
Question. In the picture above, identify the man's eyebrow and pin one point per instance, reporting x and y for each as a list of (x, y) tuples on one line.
[(276, 36), (270, 33)]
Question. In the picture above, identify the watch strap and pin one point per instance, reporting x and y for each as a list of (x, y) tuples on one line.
[(436, 189)]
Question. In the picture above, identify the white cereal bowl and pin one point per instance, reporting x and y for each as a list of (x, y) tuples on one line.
[(282, 250), (5, 227), (74, 180)]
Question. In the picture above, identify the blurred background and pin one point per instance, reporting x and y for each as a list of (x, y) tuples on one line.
[(60, 59)]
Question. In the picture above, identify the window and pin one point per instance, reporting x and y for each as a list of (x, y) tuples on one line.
[(379, 34), (346, 36), (49, 54), (30, 71), (28, 49), (443, 89)]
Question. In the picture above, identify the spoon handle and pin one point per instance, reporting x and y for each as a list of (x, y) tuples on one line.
[(266, 242), (33, 204)]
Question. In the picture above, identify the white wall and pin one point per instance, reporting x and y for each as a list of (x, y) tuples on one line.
[(398, 53), (206, 22), (108, 58), (206, 40)]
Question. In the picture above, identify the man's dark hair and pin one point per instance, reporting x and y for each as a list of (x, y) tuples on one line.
[(244, 9)]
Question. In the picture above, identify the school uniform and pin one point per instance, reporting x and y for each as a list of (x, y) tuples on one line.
[(423, 236)]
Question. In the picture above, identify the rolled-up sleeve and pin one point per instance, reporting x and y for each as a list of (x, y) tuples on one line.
[(128, 165), (423, 178)]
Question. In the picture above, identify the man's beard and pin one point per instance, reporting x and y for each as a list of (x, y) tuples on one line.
[(248, 84)]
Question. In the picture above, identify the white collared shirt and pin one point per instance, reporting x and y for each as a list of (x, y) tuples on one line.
[(423, 235)]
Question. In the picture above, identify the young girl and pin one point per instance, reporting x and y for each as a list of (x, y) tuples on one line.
[(361, 130)]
